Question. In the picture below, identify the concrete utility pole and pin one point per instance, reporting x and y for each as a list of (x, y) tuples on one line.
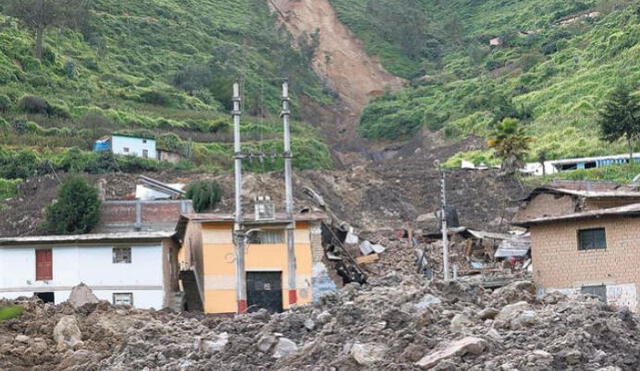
[(445, 231), (238, 227), (291, 223)]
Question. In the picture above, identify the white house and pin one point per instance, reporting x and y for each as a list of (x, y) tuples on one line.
[(121, 144), (135, 268), (556, 166)]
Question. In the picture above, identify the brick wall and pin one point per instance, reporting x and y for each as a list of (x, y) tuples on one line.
[(558, 264), (155, 215), (546, 204)]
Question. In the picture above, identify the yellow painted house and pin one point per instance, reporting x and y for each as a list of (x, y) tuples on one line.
[(208, 263)]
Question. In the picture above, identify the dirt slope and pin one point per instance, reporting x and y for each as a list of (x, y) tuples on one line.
[(340, 58)]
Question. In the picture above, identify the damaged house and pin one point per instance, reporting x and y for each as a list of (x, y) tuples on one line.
[(591, 251), (208, 267)]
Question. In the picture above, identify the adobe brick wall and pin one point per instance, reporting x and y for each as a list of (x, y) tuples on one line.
[(558, 264), (546, 204), (156, 215)]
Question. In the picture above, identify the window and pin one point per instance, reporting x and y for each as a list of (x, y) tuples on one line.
[(591, 239), (268, 236), (600, 291), (122, 255), (44, 265), (144, 141), (145, 153), (123, 298), (125, 149)]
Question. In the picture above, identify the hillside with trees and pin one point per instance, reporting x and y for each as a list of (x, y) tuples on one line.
[(551, 66), (72, 71)]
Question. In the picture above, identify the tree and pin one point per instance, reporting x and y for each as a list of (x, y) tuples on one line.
[(204, 194), (542, 157), (511, 144), (40, 15), (620, 118), (77, 209)]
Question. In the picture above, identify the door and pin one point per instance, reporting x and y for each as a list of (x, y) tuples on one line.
[(264, 290), (44, 265)]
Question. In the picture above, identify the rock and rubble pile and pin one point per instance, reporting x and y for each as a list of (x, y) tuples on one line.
[(397, 322)]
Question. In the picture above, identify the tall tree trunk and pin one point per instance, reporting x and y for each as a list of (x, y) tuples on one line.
[(39, 40)]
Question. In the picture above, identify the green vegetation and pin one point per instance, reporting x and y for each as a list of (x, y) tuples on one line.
[(77, 209), (620, 118), (552, 71), (161, 68), (510, 144), (9, 312), (204, 194), (8, 188)]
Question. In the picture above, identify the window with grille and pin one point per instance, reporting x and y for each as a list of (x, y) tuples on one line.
[(121, 255), (123, 298), (268, 236), (592, 239)]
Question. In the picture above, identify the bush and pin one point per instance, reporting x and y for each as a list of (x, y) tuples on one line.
[(5, 103), (157, 98), (10, 312), (18, 165), (205, 195), (33, 104), (77, 209), (8, 188), (70, 68)]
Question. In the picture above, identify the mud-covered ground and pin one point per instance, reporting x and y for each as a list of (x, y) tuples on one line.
[(398, 322)]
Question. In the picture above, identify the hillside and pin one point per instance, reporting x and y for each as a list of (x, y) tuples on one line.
[(161, 69), (556, 63)]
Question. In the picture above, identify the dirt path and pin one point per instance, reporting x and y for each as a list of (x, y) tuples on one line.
[(340, 58)]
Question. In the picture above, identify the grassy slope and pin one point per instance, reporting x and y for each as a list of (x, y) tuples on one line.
[(560, 74), (131, 53)]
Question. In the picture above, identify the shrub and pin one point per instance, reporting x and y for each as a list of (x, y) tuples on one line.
[(205, 195), (18, 165), (10, 312), (8, 188), (70, 68), (157, 98), (33, 104), (77, 209), (5, 103)]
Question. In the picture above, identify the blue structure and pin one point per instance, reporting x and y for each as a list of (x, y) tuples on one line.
[(102, 145)]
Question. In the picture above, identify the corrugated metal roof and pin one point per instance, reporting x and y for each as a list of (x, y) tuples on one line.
[(583, 193), (87, 238), (627, 210), (514, 246)]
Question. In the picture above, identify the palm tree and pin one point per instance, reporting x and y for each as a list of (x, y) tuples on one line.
[(510, 143)]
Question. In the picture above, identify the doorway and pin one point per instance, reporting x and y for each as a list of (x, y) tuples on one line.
[(264, 291), (46, 297)]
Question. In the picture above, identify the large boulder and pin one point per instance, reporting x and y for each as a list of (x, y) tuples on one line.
[(368, 354), (80, 295), (67, 333), (216, 344), (467, 345), (509, 312), (284, 347)]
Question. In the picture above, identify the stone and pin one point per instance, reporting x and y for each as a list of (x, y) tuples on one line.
[(284, 347), (427, 301), (309, 324), (22, 338), (67, 333), (488, 313), (215, 345), (572, 357), (459, 322), (368, 354), (610, 368), (467, 345), (524, 319), (324, 317), (541, 354), (266, 342), (80, 295), (508, 312), (494, 334)]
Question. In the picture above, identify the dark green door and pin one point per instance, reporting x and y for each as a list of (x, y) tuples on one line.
[(264, 290)]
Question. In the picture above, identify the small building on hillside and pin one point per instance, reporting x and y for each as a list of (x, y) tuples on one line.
[(133, 268), (556, 201), (208, 266), (595, 252), (127, 145), (557, 166)]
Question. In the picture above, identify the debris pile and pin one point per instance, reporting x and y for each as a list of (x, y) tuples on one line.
[(397, 322)]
